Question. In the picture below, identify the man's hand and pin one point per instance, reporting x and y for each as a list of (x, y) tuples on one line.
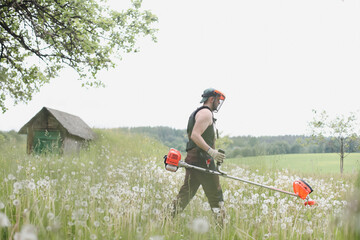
[(216, 155)]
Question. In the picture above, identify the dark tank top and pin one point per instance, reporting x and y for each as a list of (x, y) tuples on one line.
[(208, 135)]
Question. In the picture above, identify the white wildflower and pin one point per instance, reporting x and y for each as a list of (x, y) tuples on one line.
[(11, 177), (31, 186), (17, 185), (264, 209), (93, 190), (4, 220), (309, 230), (206, 206), (139, 230), (156, 211), (50, 216), (200, 225), (28, 232), (16, 202), (157, 237)]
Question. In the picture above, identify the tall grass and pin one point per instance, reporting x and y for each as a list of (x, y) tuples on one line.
[(118, 189)]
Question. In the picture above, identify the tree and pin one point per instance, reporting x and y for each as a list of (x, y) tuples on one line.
[(82, 34), (342, 129)]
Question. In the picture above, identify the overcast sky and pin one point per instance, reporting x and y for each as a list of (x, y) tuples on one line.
[(274, 60)]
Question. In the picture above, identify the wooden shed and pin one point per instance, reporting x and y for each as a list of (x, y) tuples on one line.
[(51, 130)]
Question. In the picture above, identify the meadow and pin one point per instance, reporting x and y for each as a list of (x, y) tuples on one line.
[(119, 189), (310, 163)]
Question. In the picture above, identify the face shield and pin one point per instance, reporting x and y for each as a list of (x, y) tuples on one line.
[(219, 100)]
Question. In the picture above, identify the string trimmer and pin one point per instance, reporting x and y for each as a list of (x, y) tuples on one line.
[(173, 162)]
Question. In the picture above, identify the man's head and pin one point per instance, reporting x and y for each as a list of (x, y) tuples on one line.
[(213, 98)]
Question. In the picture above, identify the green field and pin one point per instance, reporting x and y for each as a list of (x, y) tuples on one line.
[(320, 163), (119, 189)]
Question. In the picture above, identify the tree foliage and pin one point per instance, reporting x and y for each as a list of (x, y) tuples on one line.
[(342, 130), (82, 34)]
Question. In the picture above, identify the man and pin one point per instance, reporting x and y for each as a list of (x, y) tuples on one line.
[(201, 152)]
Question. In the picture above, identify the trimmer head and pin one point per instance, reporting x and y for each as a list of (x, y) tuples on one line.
[(302, 189)]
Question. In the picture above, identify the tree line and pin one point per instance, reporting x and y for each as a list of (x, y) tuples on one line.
[(246, 146), (239, 146)]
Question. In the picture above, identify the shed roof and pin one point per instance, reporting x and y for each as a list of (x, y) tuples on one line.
[(73, 124)]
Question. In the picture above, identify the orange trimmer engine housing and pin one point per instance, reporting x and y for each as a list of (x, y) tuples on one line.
[(302, 189), (172, 160)]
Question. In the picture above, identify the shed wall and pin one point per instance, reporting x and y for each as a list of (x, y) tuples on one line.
[(72, 145)]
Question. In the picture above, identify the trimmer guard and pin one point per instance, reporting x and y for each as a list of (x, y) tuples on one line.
[(302, 189)]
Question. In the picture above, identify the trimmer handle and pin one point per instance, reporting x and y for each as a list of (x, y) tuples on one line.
[(220, 151), (218, 164)]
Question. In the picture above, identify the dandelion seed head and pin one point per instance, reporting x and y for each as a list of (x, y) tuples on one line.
[(17, 185), (99, 210), (11, 177), (156, 211), (93, 190), (206, 206), (111, 211), (28, 232), (200, 225), (157, 238), (145, 206), (4, 220), (16, 202), (31, 186), (139, 230), (50, 216)]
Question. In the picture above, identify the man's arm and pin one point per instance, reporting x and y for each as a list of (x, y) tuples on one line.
[(203, 120)]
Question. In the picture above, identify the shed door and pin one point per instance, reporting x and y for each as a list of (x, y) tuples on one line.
[(47, 141)]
